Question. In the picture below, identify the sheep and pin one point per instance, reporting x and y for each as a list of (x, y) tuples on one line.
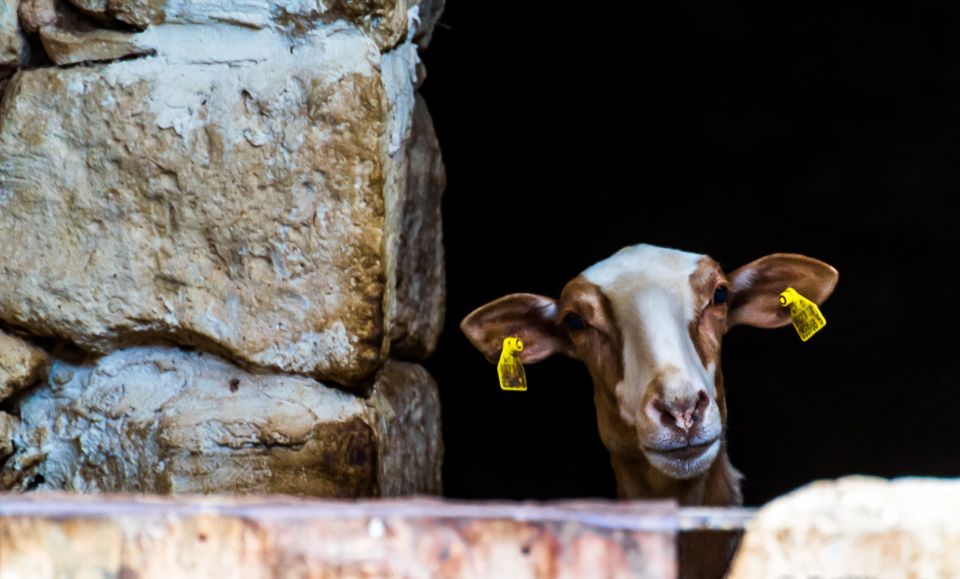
[(648, 322)]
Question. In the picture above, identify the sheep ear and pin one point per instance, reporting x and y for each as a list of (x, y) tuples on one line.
[(755, 288), (532, 318)]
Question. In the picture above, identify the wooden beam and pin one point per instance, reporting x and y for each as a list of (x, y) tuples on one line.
[(50, 535)]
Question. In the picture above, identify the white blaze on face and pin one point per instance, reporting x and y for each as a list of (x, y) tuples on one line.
[(653, 303)]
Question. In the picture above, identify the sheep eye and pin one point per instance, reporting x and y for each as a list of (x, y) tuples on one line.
[(719, 295), (574, 322)]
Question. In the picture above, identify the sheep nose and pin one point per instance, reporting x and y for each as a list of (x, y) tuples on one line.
[(684, 414)]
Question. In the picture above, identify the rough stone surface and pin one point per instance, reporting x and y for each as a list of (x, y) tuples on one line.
[(70, 536), (254, 182), (385, 21), (98, 8), (237, 206), (87, 44), (428, 14), (35, 14), (407, 413), (161, 228), (8, 428), (856, 527), (13, 46), (162, 420), (420, 271), (21, 364)]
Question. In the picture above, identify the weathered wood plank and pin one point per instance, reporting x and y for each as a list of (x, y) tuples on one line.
[(53, 535)]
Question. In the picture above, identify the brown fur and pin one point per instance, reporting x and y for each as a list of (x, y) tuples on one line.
[(753, 291)]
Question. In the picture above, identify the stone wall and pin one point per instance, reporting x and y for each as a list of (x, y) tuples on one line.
[(219, 226)]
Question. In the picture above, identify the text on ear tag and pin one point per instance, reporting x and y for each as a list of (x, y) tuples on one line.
[(510, 369), (804, 314)]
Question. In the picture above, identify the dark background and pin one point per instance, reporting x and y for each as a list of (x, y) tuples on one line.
[(734, 129)]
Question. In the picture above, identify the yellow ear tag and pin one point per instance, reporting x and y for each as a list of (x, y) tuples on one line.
[(804, 314), (510, 369)]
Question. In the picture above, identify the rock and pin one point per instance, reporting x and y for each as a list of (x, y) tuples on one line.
[(856, 527), (13, 46), (384, 21), (420, 277), (163, 420), (87, 44), (407, 411), (69, 37), (137, 13), (428, 14), (98, 8), (35, 14), (235, 195), (21, 365), (8, 427)]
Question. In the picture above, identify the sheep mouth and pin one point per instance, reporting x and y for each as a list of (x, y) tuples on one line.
[(687, 451)]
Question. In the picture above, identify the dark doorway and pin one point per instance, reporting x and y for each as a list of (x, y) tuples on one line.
[(733, 129)]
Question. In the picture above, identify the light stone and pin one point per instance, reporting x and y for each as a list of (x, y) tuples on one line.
[(13, 46), (21, 365), (856, 527), (249, 205), (163, 420)]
